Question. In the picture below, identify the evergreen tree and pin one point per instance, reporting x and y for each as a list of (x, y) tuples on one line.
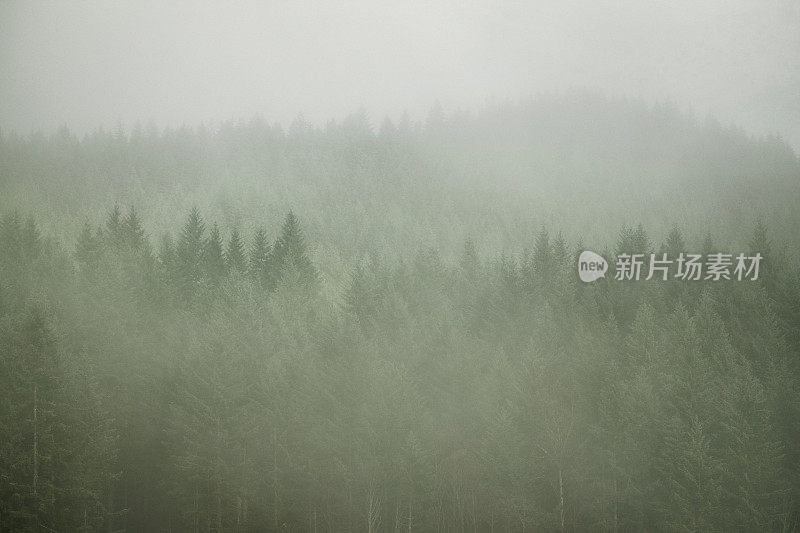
[(290, 254), (33, 454), (131, 230), (214, 260), (674, 245), (114, 227), (234, 253), (760, 243), (189, 254), (261, 260), (542, 258), (634, 241)]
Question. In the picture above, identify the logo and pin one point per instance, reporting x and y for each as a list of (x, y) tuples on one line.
[(591, 266), (687, 266)]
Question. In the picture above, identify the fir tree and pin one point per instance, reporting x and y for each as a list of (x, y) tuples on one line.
[(260, 260), (290, 254), (114, 227), (234, 253), (214, 260), (189, 254), (542, 259), (33, 454), (131, 230)]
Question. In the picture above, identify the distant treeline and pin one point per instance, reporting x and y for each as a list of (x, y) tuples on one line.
[(497, 174), (215, 380)]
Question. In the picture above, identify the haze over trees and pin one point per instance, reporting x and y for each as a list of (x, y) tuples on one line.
[(342, 329)]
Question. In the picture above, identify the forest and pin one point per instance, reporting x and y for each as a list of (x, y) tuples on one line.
[(355, 328)]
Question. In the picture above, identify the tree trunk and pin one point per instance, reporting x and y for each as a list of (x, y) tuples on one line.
[(274, 478), (373, 507), (109, 508), (616, 515), (218, 475), (196, 509), (35, 439), (409, 512), (561, 498)]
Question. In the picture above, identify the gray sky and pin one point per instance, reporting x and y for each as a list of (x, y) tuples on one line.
[(88, 64)]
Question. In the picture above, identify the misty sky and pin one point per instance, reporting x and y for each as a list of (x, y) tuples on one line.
[(87, 64)]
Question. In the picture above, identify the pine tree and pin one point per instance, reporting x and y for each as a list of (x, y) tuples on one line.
[(542, 258), (33, 453), (114, 227), (290, 254), (189, 254), (214, 260), (131, 230), (261, 257), (234, 253), (674, 245), (634, 241), (560, 252), (761, 244)]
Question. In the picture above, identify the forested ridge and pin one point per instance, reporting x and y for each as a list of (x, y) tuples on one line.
[(369, 353)]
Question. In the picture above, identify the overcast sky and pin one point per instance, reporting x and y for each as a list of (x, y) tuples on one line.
[(87, 64)]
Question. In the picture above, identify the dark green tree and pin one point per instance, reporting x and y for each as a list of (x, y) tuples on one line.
[(189, 254), (261, 260), (290, 255)]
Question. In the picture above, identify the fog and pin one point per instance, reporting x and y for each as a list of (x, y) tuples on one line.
[(90, 64), (560, 294)]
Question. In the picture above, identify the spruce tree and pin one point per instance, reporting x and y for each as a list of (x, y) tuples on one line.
[(114, 227), (214, 260), (261, 259), (290, 254), (33, 450), (131, 230), (189, 254), (542, 258), (234, 253)]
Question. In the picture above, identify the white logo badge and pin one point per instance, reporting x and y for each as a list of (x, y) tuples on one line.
[(591, 266)]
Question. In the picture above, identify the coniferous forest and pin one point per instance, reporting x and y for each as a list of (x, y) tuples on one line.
[(380, 326)]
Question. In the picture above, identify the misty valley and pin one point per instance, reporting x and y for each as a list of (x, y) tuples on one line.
[(381, 327)]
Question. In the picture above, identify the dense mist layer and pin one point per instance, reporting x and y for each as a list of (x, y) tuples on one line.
[(90, 64), (497, 177), (230, 302), (374, 329)]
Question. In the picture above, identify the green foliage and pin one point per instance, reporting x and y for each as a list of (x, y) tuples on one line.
[(373, 368), (234, 253)]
